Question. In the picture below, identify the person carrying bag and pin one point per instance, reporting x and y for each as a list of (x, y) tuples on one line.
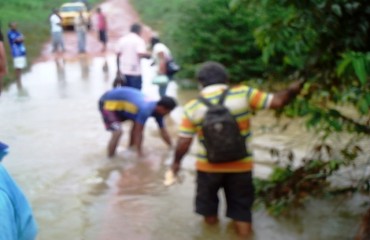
[(164, 64)]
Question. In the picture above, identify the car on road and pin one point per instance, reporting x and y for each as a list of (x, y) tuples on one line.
[(68, 12)]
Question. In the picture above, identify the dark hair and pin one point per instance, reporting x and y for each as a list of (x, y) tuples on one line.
[(167, 102), (154, 41), (11, 24), (212, 73), (136, 28)]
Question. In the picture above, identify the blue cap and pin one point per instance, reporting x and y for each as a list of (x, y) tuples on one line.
[(3, 150)]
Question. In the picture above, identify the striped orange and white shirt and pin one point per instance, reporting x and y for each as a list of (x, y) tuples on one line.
[(241, 101)]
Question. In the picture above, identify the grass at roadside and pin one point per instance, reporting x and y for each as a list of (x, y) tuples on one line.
[(32, 19)]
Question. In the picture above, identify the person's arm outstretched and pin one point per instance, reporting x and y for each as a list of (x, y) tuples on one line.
[(162, 63), (283, 97)]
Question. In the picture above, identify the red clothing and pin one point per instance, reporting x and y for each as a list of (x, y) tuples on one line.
[(101, 22)]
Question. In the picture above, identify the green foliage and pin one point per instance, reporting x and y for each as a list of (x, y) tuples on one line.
[(288, 186), (325, 42)]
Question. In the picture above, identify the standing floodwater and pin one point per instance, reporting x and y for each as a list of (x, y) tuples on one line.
[(58, 156)]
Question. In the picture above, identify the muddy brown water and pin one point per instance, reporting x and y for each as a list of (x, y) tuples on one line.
[(58, 156)]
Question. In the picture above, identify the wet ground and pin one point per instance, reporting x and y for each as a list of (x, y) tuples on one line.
[(120, 15), (58, 156)]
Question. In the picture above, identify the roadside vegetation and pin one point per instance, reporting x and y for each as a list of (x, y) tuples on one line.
[(32, 19), (269, 43)]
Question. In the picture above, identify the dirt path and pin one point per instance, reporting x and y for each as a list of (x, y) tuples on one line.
[(120, 15)]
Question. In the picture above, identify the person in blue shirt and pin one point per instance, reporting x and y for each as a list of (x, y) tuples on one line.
[(16, 218), (18, 50), (126, 103)]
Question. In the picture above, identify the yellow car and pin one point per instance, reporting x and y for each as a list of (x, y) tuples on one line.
[(68, 12)]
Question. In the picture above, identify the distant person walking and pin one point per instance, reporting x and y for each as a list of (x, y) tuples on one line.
[(160, 55), (56, 31), (80, 26), (18, 50), (102, 27), (130, 49), (3, 65)]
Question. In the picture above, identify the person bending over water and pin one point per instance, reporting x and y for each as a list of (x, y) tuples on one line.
[(126, 103)]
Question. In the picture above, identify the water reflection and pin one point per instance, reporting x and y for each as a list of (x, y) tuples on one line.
[(60, 67), (84, 61), (106, 69)]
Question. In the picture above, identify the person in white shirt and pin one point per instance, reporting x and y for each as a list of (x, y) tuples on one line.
[(56, 31), (160, 55), (130, 49)]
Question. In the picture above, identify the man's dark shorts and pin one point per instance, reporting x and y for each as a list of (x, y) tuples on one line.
[(238, 189), (111, 120), (133, 81), (103, 36)]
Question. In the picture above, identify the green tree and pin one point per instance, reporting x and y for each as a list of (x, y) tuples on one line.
[(212, 32), (327, 43)]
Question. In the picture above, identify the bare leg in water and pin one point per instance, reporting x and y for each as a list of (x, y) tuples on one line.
[(211, 220), (243, 229), (18, 73), (113, 142)]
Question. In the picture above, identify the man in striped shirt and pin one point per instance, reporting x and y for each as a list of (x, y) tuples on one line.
[(235, 178)]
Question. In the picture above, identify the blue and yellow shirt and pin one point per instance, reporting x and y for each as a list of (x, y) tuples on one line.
[(241, 101), (18, 49), (130, 103)]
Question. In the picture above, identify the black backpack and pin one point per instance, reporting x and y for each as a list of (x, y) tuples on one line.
[(222, 138)]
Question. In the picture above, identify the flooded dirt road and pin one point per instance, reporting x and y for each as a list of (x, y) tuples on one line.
[(58, 156)]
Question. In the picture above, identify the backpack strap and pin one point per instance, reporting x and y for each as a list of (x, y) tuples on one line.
[(223, 96), (220, 101), (205, 101)]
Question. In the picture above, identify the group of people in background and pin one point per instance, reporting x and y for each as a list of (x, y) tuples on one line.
[(131, 48), (81, 26)]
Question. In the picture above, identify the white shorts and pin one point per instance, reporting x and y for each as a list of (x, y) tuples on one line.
[(20, 62)]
